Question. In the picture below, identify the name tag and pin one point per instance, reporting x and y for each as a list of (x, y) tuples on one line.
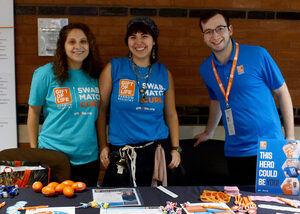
[(229, 119)]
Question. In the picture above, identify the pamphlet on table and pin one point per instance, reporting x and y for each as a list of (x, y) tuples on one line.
[(118, 196)]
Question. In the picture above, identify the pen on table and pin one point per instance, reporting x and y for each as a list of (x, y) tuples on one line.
[(287, 202), (215, 207), (30, 208), (2, 204)]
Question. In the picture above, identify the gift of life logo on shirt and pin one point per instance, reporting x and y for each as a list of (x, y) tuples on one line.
[(153, 93), (62, 96), (126, 90), (127, 87), (240, 69)]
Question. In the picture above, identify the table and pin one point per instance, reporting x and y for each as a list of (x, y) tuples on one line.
[(151, 197)]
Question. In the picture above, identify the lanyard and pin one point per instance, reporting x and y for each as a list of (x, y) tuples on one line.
[(226, 94)]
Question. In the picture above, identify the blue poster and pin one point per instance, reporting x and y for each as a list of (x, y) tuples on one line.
[(278, 166)]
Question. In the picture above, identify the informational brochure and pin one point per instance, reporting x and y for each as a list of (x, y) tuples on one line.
[(118, 197), (131, 210), (54, 210), (278, 166), (199, 208)]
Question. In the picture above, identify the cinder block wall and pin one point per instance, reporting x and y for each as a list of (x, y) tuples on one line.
[(273, 24)]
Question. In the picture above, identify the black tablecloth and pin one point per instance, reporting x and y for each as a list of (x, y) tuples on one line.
[(150, 196)]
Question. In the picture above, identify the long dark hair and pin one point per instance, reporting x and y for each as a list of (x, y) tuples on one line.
[(91, 64)]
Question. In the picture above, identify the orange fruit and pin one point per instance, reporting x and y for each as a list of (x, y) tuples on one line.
[(37, 186), (79, 186), (59, 188), (48, 191), (68, 182), (53, 184), (68, 191)]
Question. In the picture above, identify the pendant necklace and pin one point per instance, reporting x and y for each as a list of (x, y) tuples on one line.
[(146, 77)]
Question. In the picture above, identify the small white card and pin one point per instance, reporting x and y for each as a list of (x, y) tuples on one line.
[(64, 210), (131, 210), (229, 119)]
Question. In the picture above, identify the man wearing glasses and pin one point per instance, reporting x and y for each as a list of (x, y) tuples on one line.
[(240, 80)]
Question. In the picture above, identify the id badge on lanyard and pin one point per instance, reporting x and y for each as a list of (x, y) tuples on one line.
[(229, 120), (228, 111)]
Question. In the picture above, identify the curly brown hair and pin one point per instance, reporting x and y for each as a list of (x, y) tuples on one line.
[(91, 64)]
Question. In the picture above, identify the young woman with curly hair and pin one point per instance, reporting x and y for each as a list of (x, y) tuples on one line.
[(67, 91)]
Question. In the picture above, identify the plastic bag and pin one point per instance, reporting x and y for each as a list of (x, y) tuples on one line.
[(23, 173)]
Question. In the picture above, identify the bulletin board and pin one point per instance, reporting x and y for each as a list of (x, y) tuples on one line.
[(8, 118)]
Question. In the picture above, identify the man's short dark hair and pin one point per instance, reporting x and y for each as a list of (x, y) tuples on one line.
[(211, 13)]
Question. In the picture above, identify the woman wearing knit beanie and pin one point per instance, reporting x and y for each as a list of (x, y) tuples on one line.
[(143, 133)]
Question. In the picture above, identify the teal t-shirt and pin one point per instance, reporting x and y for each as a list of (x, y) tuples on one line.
[(70, 111)]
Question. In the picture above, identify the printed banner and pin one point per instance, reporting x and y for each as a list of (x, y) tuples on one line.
[(278, 166)]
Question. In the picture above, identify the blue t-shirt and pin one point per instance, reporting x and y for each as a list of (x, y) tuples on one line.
[(70, 111), (130, 121), (253, 107)]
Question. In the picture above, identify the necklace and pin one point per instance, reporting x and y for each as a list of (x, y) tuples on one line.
[(138, 76), (144, 87)]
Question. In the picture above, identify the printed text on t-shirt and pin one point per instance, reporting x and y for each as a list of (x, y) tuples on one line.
[(62, 95)]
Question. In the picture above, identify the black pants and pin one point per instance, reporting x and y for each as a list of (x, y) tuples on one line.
[(144, 166), (87, 173), (242, 170)]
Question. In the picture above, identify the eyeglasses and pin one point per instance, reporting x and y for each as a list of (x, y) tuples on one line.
[(219, 30)]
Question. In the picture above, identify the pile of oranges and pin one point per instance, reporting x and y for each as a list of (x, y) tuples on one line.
[(67, 187)]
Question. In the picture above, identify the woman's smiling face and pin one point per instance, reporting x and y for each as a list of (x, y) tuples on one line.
[(76, 48), (140, 45)]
